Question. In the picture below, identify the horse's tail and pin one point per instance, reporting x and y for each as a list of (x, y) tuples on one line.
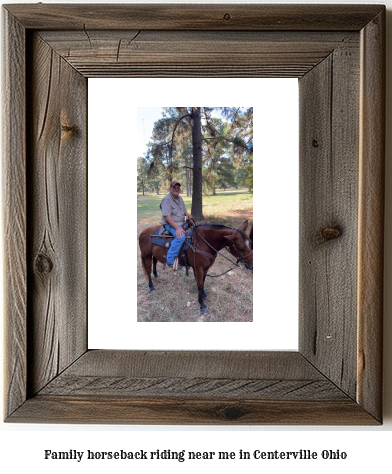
[(144, 264)]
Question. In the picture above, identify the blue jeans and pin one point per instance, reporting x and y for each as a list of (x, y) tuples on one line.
[(175, 245)]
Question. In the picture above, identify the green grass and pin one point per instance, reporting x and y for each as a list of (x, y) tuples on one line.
[(230, 207)]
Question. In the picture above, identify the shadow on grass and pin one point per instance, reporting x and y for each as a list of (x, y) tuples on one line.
[(233, 219), (233, 193)]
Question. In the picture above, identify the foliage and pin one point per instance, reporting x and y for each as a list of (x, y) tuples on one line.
[(148, 180), (201, 150), (223, 142), (238, 134)]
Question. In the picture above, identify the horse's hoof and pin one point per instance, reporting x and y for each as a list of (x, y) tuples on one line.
[(156, 275), (203, 311), (152, 289)]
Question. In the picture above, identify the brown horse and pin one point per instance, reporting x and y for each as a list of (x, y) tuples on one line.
[(208, 240)]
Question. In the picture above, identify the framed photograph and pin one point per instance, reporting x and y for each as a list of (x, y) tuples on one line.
[(337, 53), (112, 168), (216, 186)]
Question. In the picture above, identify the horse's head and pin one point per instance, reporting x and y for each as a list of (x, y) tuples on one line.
[(239, 246)]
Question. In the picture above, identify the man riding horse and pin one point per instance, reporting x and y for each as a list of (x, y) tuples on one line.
[(173, 212)]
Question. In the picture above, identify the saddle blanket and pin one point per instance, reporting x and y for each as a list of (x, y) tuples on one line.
[(159, 239)]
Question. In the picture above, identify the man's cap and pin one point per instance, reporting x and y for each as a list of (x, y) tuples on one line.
[(173, 183)]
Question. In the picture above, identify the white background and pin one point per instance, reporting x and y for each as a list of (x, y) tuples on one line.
[(368, 449), (113, 216)]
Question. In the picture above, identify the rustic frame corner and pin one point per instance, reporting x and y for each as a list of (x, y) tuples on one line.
[(338, 54)]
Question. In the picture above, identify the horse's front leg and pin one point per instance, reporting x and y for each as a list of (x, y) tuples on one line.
[(154, 266), (204, 294), (200, 276)]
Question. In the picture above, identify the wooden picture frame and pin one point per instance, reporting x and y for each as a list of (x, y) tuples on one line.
[(337, 52)]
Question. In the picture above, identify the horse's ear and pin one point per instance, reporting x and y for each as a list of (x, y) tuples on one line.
[(244, 226)]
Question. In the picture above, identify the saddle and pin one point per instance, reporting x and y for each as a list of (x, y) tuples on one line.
[(163, 238)]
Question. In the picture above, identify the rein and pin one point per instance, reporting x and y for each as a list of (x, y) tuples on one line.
[(239, 258), (217, 251)]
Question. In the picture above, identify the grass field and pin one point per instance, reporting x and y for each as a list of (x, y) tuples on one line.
[(230, 297)]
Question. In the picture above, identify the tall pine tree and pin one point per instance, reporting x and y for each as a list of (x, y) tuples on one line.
[(176, 127)]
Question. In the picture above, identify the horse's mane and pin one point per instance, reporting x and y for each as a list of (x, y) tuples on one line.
[(224, 227), (213, 225)]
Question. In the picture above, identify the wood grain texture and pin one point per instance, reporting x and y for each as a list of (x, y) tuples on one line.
[(194, 53), (207, 364), (371, 216), (194, 17), (193, 387), (155, 411), (202, 387), (336, 376), (57, 215), (329, 168), (232, 375), (14, 202)]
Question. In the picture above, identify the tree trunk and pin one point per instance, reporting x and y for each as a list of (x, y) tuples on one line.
[(188, 176), (197, 191)]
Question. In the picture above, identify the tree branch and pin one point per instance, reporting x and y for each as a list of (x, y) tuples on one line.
[(234, 143), (174, 131)]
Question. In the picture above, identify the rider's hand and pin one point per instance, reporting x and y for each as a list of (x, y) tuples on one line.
[(179, 232)]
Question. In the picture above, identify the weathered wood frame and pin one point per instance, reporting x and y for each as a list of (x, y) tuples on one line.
[(337, 52)]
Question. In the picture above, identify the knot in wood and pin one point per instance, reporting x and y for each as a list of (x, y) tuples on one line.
[(227, 16), (328, 233), (232, 413), (315, 143), (71, 129), (43, 264)]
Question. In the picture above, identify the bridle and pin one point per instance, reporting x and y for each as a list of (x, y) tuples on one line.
[(240, 258)]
